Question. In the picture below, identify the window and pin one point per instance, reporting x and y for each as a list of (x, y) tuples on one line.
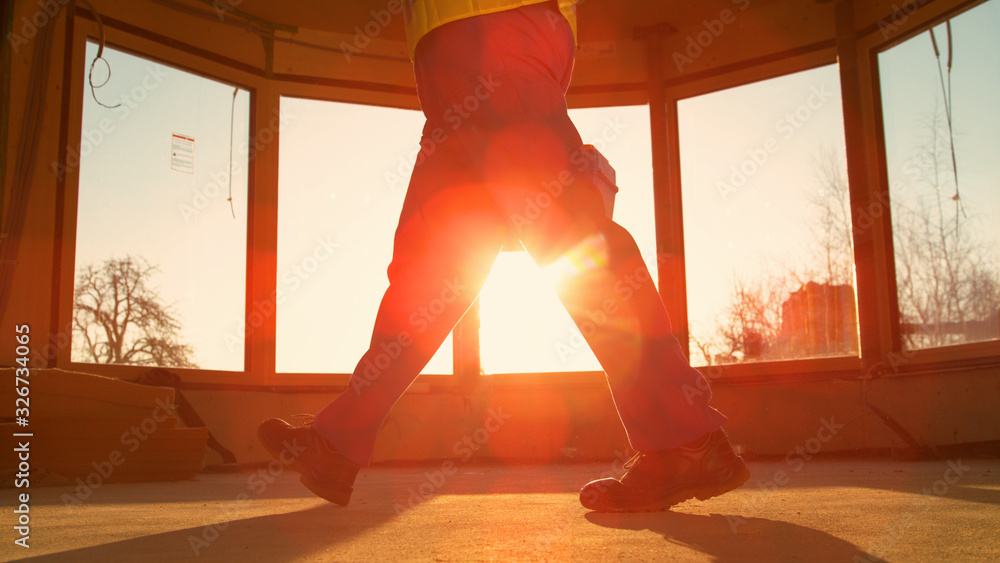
[(524, 327), (160, 246), (767, 228), (940, 124), (343, 172)]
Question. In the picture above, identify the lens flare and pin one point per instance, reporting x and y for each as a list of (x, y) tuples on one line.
[(588, 255)]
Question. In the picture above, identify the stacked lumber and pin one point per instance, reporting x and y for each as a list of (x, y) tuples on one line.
[(96, 429)]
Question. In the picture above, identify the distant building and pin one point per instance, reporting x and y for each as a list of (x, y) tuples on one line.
[(819, 320)]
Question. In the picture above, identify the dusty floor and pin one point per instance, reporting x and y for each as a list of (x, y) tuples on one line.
[(820, 510)]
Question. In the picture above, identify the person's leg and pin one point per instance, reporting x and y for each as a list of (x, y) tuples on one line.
[(449, 234), (492, 90), (448, 237), (532, 156), (531, 165)]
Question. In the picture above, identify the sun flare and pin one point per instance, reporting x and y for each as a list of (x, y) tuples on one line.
[(525, 328)]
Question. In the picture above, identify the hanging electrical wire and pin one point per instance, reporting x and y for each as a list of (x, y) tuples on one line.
[(951, 135), (94, 87), (946, 92), (232, 119), (99, 57)]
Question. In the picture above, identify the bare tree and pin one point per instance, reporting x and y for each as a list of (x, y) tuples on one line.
[(947, 277), (832, 237), (759, 310), (118, 318), (706, 346), (752, 320), (949, 288)]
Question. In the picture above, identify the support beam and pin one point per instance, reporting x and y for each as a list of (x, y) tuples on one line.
[(875, 271), (262, 240), (666, 185)]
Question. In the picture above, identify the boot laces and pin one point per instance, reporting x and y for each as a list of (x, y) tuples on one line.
[(631, 462), (304, 419)]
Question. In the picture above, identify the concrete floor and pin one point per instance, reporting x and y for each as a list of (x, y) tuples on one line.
[(817, 510)]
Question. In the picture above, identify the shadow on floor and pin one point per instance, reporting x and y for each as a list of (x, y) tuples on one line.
[(736, 538), (274, 537)]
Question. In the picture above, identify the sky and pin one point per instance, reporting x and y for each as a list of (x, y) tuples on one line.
[(747, 177), (343, 170), (132, 201), (911, 92), (350, 188)]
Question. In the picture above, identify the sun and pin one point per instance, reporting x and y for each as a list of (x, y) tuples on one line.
[(524, 326)]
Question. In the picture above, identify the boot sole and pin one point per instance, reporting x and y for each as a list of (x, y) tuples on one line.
[(709, 488), (338, 496), (735, 481)]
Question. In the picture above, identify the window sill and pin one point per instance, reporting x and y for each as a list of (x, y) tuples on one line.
[(944, 358)]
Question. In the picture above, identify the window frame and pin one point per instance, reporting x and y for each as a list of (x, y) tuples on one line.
[(872, 41), (266, 91), (801, 60), (884, 354), (886, 357), (83, 29)]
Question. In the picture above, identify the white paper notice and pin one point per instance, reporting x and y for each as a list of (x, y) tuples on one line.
[(182, 154)]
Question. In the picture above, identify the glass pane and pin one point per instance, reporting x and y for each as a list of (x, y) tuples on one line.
[(767, 228), (941, 154), (343, 172), (159, 157), (524, 325)]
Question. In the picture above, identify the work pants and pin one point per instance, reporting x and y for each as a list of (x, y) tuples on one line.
[(500, 158)]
